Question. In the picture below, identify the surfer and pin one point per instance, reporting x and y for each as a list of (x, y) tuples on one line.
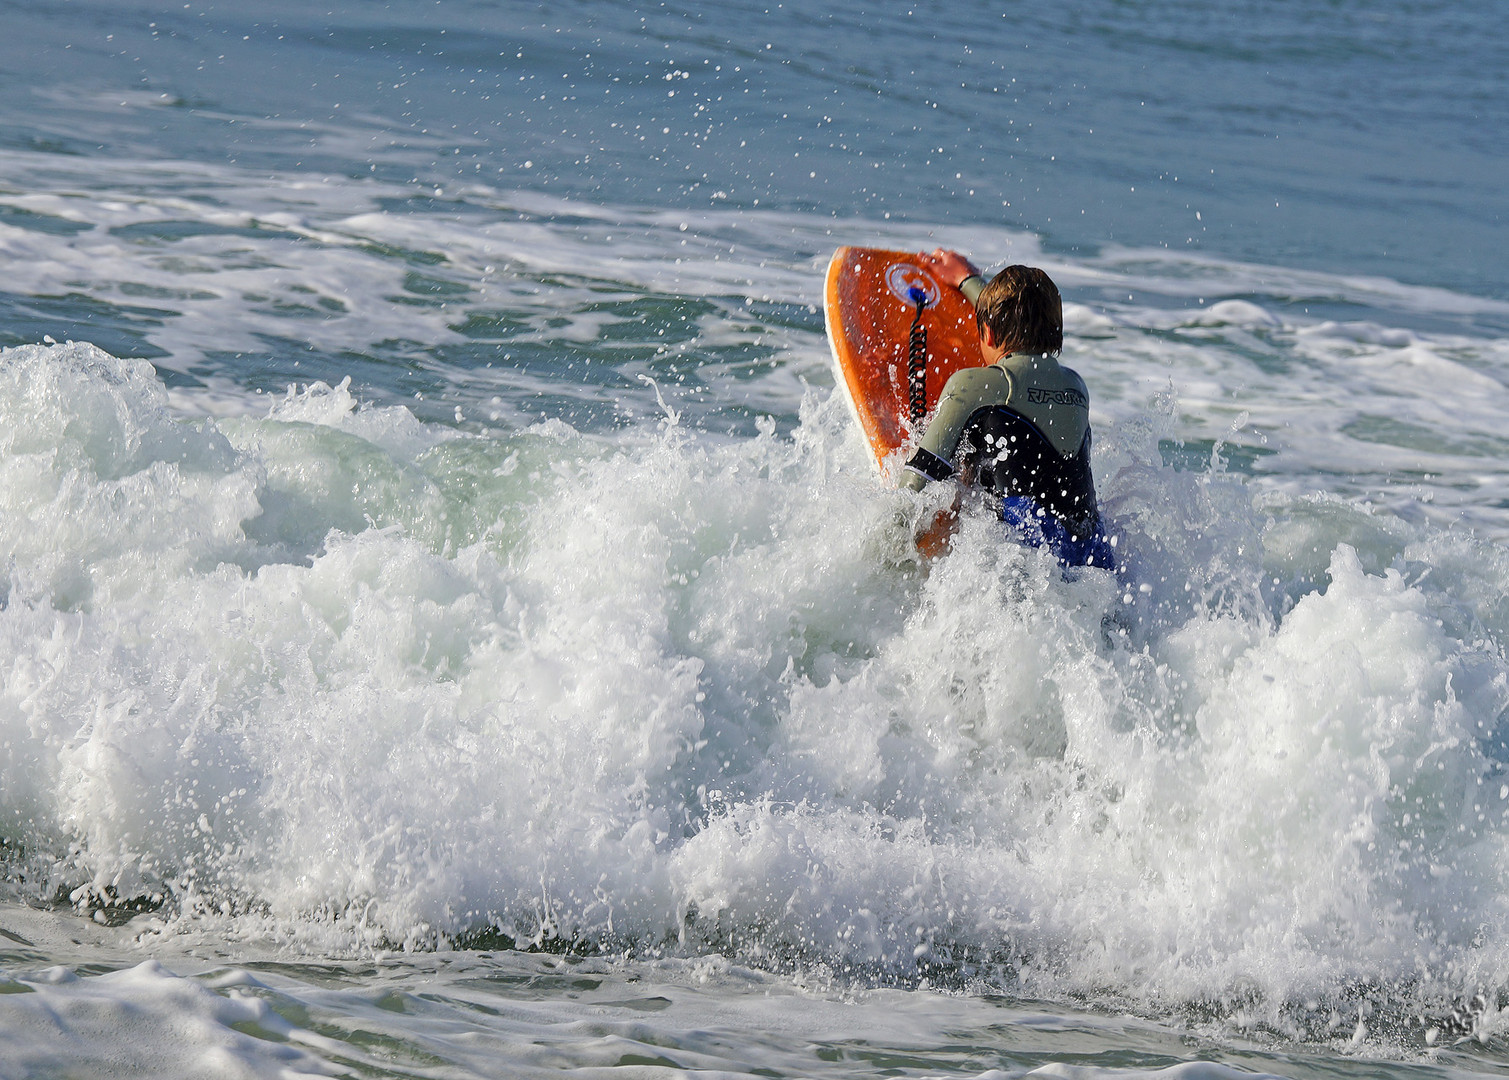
[(1017, 427)]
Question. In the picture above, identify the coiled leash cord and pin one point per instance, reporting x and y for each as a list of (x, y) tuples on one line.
[(916, 357)]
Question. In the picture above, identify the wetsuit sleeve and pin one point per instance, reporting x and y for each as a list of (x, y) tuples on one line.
[(972, 287), (965, 391)]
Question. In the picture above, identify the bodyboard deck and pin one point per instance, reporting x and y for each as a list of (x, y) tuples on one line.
[(869, 312)]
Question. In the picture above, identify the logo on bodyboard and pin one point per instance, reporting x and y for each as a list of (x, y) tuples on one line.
[(904, 277)]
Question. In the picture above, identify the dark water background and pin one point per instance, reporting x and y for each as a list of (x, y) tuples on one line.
[(1347, 137)]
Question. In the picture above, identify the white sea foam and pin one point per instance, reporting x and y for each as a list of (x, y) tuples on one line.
[(317, 674), (144, 1020), (446, 1011), (310, 671)]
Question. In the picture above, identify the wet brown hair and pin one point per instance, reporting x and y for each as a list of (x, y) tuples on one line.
[(1022, 307)]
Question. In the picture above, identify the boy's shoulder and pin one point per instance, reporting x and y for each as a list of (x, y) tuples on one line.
[(1040, 367), (973, 379)]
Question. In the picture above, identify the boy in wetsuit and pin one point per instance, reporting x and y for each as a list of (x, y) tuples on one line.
[(1018, 427)]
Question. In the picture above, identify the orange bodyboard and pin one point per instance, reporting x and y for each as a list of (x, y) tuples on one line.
[(869, 316)]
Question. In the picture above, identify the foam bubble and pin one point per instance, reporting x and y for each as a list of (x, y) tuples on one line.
[(1234, 313), (147, 1021)]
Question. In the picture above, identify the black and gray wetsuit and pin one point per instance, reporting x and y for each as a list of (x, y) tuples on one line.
[(1020, 429)]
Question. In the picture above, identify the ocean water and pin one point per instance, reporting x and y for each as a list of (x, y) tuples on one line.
[(449, 626)]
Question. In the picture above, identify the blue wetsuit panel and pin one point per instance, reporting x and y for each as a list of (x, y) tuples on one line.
[(1034, 526)]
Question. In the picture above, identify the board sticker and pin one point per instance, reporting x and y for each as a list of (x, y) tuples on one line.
[(903, 277)]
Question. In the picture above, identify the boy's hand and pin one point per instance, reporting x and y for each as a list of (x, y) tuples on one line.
[(949, 266)]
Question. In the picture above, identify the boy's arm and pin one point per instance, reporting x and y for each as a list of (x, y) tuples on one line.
[(966, 391)]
